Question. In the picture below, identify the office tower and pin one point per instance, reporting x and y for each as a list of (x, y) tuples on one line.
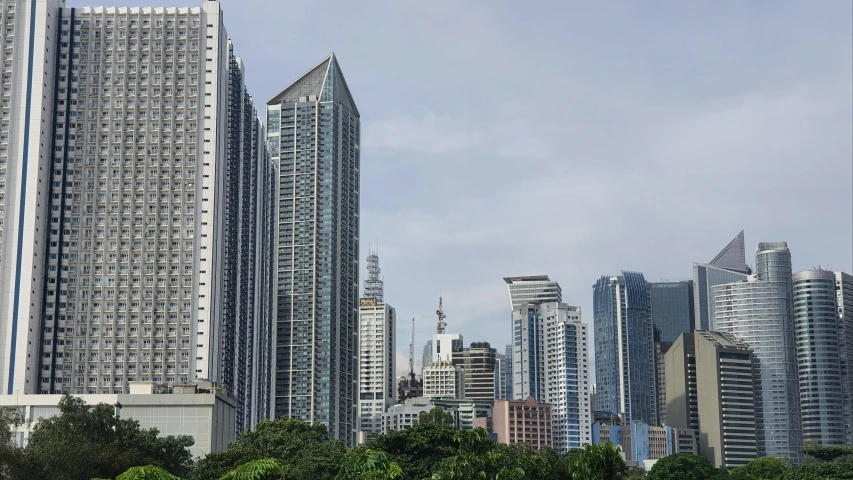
[(478, 362), (660, 379), (671, 307), (728, 266), (681, 391), (709, 385), (444, 380), (500, 376), (759, 313), (523, 421), (624, 349), (444, 346), (844, 301), (671, 310), (426, 357), (532, 289), (377, 359), (409, 386), (508, 371), (26, 129), (552, 366), (816, 323), (313, 132), (156, 204)]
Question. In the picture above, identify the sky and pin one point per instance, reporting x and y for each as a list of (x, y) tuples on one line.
[(573, 139)]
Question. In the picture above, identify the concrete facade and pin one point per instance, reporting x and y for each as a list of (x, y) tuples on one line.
[(444, 380), (201, 411), (523, 421)]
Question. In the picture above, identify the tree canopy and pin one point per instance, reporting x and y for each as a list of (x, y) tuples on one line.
[(682, 466)]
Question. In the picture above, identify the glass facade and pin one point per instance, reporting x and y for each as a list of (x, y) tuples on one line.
[(844, 301), (313, 133), (728, 266), (624, 362), (759, 312), (671, 305), (532, 289), (816, 322)]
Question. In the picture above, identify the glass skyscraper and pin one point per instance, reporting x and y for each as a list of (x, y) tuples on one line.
[(532, 289), (817, 334), (671, 305), (624, 348), (759, 312), (728, 266), (844, 301), (313, 131)]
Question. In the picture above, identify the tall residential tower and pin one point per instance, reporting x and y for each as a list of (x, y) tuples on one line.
[(313, 132)]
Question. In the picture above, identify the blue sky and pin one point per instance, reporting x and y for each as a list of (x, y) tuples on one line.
[(574, 139)]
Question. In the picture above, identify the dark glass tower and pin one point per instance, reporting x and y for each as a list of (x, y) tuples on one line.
[(623, 347), (313, 132)]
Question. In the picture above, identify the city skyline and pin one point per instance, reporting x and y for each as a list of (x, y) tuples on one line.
[(405, 119)]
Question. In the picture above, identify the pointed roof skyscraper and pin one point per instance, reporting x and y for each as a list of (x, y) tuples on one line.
[(325, 82), (733, 256)]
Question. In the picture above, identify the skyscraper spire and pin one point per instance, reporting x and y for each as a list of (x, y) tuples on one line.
[(374, 287)]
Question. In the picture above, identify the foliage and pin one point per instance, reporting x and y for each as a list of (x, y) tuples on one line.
[(84, 442), (826, 453), (417, 450), (597, 462), (148, 472), (681, 466), (764, 468), (263, 469), (364, 463), (821, 471), (303, 447), (437, 415)]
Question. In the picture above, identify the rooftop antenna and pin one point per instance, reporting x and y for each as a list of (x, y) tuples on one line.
[(441, 316), (412, 352)]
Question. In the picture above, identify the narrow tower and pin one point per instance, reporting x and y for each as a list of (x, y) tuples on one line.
[(441, 316), (374, 287)]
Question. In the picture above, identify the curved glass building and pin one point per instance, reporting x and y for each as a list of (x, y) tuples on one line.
[(759, 312), (817, 334)]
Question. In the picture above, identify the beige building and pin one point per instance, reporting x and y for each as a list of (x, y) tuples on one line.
[(201, 410), (444, 380), (527, 421), (710, 384)]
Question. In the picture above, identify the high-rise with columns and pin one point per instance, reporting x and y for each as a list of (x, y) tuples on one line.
[(138, 205), (313, 133)]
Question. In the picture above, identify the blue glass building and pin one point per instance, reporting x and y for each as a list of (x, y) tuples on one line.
[(671, 305), (728, 266), (624, 351)]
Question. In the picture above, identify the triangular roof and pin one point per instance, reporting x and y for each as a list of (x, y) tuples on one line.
[(325, 80), (733, 257)]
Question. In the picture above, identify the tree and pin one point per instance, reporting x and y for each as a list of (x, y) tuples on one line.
[(264, 469), (597, 462), (681, 466), (13, 463), (764, 468), (148, 472), (303, 447), (821, 471), (418, 450), (85, 442), (814, 450), (367, 464), (438, 416)]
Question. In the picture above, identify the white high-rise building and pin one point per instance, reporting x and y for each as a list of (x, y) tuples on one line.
[(532, 289), (30, 40), (377, 359), (150, 239), (551, 359)]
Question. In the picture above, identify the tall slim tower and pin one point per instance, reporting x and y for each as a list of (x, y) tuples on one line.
[(819, 342), (728, 266), (532, 289), (844, 301), (313, 132), (624, 348), (759, 312), (549, 352), (377, 359), (30, 43)]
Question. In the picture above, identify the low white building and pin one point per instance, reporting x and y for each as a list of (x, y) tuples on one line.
[(464, 412), (444, 380), (201, 410)]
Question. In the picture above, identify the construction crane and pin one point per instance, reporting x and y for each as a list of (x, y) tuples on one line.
[(441, 316), (412, 352)]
